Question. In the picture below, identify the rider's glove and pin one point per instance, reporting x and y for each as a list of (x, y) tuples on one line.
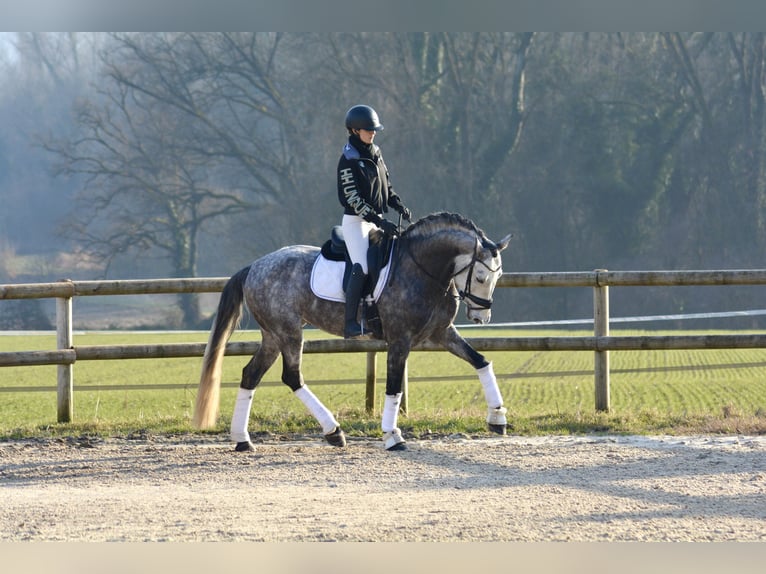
[(389, 227)]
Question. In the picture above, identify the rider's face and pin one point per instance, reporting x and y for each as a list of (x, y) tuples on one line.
[(366, 136)]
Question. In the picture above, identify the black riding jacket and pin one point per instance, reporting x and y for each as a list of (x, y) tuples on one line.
[(364, 188)]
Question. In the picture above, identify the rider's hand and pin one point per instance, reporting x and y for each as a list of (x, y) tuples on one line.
[(406, 213), (389, 227)]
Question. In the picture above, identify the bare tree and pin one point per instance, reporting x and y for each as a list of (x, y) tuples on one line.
[(190, 128), (42, 75), (458, 97)]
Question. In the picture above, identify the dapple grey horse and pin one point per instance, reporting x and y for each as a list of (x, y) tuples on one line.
[(440, 260)]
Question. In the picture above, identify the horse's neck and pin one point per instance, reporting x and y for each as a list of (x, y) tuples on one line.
[(437, 253)]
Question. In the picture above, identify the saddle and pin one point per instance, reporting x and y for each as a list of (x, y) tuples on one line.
[(328, 282), (378, 255)]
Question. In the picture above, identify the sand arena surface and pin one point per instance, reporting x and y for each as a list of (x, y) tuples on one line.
[(191, 488)]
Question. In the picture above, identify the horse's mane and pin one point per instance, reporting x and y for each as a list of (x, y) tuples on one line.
[(437, 221)]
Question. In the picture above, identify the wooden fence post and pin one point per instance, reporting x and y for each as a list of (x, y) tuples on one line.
[(601, 329), (372, 364), (64, 377)]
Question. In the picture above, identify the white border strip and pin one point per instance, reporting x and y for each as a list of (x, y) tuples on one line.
[(718, 315)]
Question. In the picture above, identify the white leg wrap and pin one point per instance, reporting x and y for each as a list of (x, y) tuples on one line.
[(489, 384), (241, 415), (320, 412), (390, 412)]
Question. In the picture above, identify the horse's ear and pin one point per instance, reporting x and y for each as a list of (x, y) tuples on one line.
[(503, 243)]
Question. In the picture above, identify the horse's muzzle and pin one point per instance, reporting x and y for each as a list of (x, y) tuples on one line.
[(479, 316)]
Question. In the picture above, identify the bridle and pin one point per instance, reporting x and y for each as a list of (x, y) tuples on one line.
[(465, 293), (480, 302)]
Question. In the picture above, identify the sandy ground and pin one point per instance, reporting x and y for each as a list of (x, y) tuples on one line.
[(455, 488)]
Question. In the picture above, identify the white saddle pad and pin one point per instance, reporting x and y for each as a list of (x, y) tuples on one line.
[(327, 280)]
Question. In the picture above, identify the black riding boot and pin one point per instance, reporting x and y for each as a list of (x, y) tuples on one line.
[(352, 328)]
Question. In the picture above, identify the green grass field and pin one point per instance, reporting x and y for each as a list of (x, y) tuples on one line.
[(547, 392)]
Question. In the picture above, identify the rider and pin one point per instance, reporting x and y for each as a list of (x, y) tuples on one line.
[(365, 192)]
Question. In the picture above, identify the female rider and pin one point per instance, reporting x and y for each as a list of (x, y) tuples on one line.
[(366, 193)]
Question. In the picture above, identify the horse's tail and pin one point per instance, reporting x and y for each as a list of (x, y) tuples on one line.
[(226, 320)]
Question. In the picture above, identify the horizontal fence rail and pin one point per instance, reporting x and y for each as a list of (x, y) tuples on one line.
[(117, 287), (601, 343), (605, 278), (178, 350), (598, 278)]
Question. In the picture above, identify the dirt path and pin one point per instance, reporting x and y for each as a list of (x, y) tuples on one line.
[(451, 489)]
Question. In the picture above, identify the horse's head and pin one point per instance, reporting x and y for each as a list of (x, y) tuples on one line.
[(478, 277), (475, 260)]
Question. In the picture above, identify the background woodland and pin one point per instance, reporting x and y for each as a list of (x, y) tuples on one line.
[(190, 154)]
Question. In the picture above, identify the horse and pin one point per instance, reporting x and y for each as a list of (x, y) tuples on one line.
[(440, 260)]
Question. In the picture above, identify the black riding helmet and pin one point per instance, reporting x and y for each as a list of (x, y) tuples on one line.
[(363, 118)]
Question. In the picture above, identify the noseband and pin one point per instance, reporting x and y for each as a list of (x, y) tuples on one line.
[(465, 293)]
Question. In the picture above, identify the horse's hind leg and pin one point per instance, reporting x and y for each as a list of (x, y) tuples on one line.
[(264, 357), (293, 378)]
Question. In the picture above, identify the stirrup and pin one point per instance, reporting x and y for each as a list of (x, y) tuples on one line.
[(393, 440), (356, 332), (496, 420)]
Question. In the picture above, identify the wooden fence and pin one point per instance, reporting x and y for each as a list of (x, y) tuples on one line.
[(66, 353)]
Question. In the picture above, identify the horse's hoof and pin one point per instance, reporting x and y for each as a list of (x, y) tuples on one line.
[(393, 440), (496, 420), (336, 437), (497, 429), (245, 446)]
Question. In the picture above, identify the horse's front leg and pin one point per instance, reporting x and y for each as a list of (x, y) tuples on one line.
[(398, 351), (452, 341)]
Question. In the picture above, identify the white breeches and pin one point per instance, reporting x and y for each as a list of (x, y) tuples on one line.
[(356, 231)]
